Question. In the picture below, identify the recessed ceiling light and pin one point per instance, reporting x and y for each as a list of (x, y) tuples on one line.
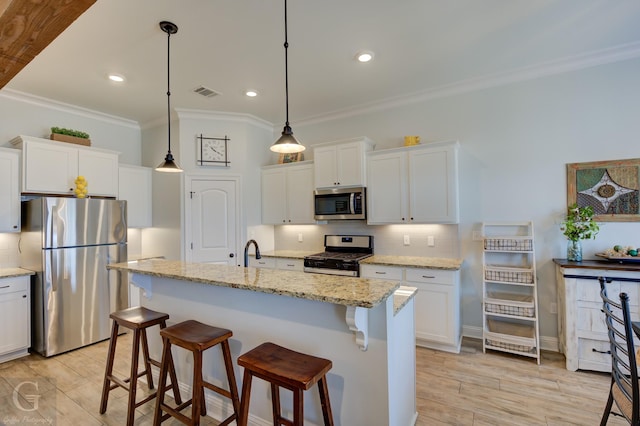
[(251, 93), (116, 78), (364, 56)]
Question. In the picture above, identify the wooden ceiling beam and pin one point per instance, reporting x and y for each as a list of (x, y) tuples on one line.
[(28, 26)]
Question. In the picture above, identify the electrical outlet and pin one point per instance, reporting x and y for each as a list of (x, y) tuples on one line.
[(431, 241), (407, 241), (300, 237), (553, 308)]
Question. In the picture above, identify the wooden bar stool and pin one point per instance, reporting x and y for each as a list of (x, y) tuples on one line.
[(285, 368), (197, 338), (137, 319)]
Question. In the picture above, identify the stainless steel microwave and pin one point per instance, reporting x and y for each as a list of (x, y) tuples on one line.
[(340, 203)]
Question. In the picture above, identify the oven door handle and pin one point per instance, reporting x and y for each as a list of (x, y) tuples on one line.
[(352, 202)]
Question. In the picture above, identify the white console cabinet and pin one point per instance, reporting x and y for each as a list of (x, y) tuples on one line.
[(50, 167), (582, 330), (437, 303), (15, 314)]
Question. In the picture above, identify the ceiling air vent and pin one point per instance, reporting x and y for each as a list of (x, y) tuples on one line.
[(205, 91)]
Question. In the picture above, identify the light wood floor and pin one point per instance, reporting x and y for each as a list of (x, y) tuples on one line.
[(471, 388)]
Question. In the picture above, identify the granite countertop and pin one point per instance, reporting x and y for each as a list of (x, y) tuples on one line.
[(287, 254), (348, 291), (406, 261), (14, 272), (414, 262)]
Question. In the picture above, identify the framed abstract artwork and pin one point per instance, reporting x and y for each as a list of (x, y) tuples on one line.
[(611, 188)]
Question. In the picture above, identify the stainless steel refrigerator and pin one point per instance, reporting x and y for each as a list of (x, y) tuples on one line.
[(69, 242)]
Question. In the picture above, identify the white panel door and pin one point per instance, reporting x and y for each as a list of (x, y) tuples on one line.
[(212, 222), (9, 190), (101, 171)]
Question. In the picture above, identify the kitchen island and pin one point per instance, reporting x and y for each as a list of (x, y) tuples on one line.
[(366, 327)]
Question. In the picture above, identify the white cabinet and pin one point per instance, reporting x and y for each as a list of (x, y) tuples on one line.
[(135, 186), (9, 190), (15, 314), (341, 163), (509, 288), (263, 262), (582, 331), (287, 194), (288, 264), (437, 303), (51, 167), (416, 184)]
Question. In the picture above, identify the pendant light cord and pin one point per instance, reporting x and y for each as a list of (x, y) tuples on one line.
[(286, 64), (168, 90)]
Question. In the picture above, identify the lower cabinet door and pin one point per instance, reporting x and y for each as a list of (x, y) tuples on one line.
[(434, 316), (14, 314)]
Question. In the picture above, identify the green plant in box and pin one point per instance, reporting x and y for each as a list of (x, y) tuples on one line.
[(70, 132)]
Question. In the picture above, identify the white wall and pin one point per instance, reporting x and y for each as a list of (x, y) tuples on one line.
[(515, 143), (248, 151), (24, 114)]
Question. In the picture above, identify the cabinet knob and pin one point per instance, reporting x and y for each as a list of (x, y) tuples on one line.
[(381, 273), (284, 221), (24, 296), (15, 226), (410, 218), (403, 218), (231, 255)]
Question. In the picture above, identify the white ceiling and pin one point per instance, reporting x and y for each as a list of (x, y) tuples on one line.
[(234, 45)]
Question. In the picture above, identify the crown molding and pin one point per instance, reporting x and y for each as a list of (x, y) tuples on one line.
[(197, 114), (67, 108), (611, 55)]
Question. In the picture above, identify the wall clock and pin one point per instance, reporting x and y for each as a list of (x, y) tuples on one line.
[(212, 151)]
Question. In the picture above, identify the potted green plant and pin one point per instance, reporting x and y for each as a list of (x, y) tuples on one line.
[(578, 225), (70, 136)]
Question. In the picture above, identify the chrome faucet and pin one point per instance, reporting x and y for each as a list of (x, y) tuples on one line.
[(246, 252)]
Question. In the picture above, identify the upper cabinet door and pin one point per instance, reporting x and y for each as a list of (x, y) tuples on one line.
[(101, 171), (274, 196), (433, 185), (341, 163), (387, 190), (49, 167), (9, 190), (350, 160), (326, 167), (300, 200)]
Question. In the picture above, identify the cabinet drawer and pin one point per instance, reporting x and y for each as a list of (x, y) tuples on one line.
[(11, 285), (595, 351), (263, 262), (290, 264), (589, 291), (381, 272), (430, 276)]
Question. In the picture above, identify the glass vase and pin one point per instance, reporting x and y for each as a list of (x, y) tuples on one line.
[(574, 251)]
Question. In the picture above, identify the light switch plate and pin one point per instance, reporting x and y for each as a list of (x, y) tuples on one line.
[(431, 241), (407, 241), (300, 237)]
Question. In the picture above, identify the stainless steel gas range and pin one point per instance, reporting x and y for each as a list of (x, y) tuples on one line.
[(341, 255)]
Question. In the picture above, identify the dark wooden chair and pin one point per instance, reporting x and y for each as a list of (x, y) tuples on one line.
[(137, 319), (197, 338), (624, 389), (291, 370)]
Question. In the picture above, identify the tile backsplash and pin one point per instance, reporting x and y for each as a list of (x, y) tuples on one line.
[(9, 254), (388, 239)]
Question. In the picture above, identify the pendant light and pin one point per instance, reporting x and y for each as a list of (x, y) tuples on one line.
[(169, 164), (287, 142)]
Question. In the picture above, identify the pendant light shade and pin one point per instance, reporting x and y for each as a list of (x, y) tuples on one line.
[(287, 143), (169, 164)]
